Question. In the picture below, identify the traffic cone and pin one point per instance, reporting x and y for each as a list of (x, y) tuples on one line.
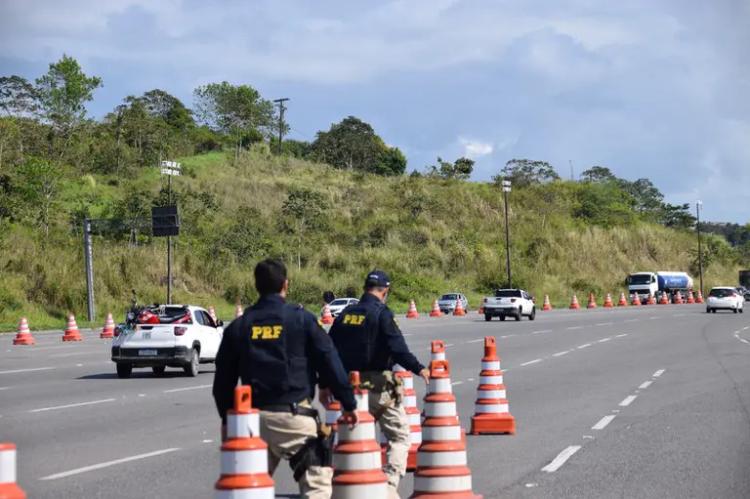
[(651, 299), (412, 314), (691, 298), (356, 458), (435, 312), (623, 301), (574, 303), (212, 313), (459, 310), (491, 408), (678, 298), (24, 335), (244, 455), (238, 311), (636, 300), (71, 330), (699, 299), (9, 489), (664, 300), (608, 302), (442, 469), (438, 350), (109, 328), (412, 412), (547, 305), (592, 302), (333, 413), (327, 317)]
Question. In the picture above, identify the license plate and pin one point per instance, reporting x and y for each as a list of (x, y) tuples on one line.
[(147, 352)]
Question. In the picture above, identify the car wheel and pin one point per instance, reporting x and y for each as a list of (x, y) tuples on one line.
[(708, 310), (124, 370), (159, 370), (518, 316), (502, 318), (487, 317), (713, 310), (533, 314), (736, 311), (192, 368)]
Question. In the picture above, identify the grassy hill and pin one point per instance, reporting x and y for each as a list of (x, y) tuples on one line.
[(432, 235)]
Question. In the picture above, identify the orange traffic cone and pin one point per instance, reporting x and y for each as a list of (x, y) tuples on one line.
[(664, 300), (592, 302), (459, 310), (608, 302), (442, 469), (244, 455), (412, 314), (412, 412), (547, 305), (623, 301), (109, 328), (9, 489), (435, 312), (699, 299), (491, 408), (651, 299), (71, 330), (678, 298), (357, 468), (327, 317), (24, 335), (438, 350), (212, 313), (636, 300), (238, 311), (691, 298), (574, 303)]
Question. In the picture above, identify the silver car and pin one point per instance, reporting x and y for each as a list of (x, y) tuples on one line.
[(447, 302)]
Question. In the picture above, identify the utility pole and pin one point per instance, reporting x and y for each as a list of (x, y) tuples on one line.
[(506, 190), (282, 108), (572, 176), (698, 207)]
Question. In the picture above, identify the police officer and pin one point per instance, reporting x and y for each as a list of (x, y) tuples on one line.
[(280, 349), (369, 340)]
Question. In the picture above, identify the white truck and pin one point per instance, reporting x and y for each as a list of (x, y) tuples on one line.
[(514, 303), (643, 283)]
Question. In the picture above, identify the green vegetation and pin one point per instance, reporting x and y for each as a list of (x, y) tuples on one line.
[(432, 230)]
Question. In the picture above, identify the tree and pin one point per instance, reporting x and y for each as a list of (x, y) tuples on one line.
[(599, 175), (18, 97), (525, 172), (304, 210), (461, 169), (169, 109), (351, 144), (392, 162), (39, 188), (649, 200), (677, 216)]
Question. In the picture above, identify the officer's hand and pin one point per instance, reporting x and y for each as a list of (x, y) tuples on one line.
[(325, 397), (352, 418), (425, 374), (223, 433)]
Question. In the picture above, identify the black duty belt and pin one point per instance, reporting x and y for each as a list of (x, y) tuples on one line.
[(295, 409)]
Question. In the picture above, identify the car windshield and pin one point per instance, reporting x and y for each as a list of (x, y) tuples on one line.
[(722, 292), (638, 279), (449, 297), (171, 315), (339, 302), (507, 293)]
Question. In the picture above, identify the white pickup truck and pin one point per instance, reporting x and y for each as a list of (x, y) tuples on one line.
[(514, 303), (182, 336)]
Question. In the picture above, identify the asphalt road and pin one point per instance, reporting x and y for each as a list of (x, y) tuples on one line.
[(649, 402)]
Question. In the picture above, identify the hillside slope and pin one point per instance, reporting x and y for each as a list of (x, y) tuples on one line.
[(431, 235)]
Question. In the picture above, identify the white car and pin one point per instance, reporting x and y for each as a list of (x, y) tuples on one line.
[(514, 303), (339, 304), (179, 336), (725, 298), (447, 302)]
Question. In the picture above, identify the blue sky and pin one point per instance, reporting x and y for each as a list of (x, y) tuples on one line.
[(650, 88)]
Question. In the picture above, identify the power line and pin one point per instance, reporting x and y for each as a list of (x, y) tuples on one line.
[(282, 108)]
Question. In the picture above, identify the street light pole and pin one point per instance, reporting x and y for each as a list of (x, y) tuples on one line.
[(698, 207), (506, 190)]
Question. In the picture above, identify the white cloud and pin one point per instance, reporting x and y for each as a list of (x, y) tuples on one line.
[(474, 148)]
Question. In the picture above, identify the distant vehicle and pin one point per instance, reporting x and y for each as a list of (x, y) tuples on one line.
[(643, 283), (167, 336), (724, 298), (514, 303), (339, 304), (447, 302)]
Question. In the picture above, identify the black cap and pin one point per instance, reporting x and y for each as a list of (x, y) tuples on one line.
[(378, 278)]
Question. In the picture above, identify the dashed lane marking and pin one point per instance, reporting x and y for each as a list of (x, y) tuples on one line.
[(631, 320), (68, 406), (645, 385), (175, 390), (605, 324), (574, 327), (531, 362), (27, 370), (628, 400), (603, 422), (561, 459), (585, 345), (603, 340), (621, 335), (475, 341), (99, 466), (558, 354), (659, 373), (543, 331)]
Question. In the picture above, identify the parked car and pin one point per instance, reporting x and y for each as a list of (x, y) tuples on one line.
[(447, 302), (167, 336), (724, 298), (514, 303), (339, 304)]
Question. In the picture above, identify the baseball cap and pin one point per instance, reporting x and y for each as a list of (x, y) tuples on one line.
[(378, 278)]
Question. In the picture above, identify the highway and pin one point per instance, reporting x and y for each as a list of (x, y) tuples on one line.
[(637, 402)]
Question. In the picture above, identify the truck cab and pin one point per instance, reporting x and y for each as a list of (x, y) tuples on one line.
[(643, 283)]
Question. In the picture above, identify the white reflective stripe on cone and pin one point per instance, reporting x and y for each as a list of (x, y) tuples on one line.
[(363, 404), (449, 458), (415, 437), (438, 356), (363, 431), (265, 493), (414, 419), (490, 394), (408, 382), (442, 484), (441, 433), (357, 462), (491, 380), (439, 409), (410, 400), (243, 425), (374, 490), (491, 408), (440, 385), (8, 466), (244, 462), (493, 365)]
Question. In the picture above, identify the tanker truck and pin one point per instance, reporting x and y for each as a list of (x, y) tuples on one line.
[(643, 283)]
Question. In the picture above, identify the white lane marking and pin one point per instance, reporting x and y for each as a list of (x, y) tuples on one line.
[(475, 341), (659, 373), (531, 362), (4, 388), (654, 318), (561, 458), (80, 404), (27, 370), (628, 400), (604, 324), (616, 410), (508, 336), (631, 320), (605, 339), (603, 422), (71, 354), (206, 441), (574, 327), (99, 466), (472, 379), (678, 315), (645, 385), (174, 390), (457, 383), (585, 345), (543, 331), (448, 345), (621, 335), (561, 353)]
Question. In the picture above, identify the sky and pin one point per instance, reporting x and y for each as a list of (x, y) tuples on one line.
[(649, 88)]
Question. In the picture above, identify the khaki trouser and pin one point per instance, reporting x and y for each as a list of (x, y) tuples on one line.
[(285, 434), (395, 425)]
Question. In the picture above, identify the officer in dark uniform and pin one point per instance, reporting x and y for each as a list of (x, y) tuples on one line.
[(280, 349), (370, 341)]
